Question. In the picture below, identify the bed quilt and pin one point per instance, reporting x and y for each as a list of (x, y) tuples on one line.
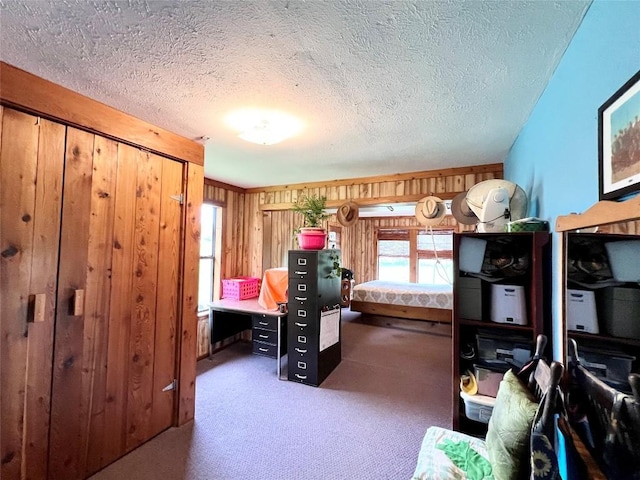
[(407, 294)]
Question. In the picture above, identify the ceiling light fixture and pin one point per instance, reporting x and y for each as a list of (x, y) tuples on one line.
[(264, 127)]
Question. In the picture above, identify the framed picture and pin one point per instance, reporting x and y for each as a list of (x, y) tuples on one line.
[(619, 142)]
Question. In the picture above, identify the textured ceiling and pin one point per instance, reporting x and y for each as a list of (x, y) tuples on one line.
[(383, 86)]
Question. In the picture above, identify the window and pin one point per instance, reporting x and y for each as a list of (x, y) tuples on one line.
[(335, 233), (435, 257), (207, 255), (393, 255), (417, 256)]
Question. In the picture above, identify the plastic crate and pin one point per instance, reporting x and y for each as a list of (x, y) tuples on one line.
[(609, 366), (240, 288), (478, 407), (503, 352)]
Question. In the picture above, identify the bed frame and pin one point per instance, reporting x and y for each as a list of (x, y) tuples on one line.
[(424, 314)]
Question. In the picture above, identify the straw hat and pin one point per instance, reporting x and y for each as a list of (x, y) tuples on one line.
[(430, 211), (461, 211), (347, 213)]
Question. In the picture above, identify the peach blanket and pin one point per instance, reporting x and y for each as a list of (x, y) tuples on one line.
[(274, 288)]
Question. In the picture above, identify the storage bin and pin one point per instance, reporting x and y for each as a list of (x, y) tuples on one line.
[(609, 366), (470, 298), (619, 309), (503, 352), (478, 407), (581, 311), (240, 288), (488, 380)]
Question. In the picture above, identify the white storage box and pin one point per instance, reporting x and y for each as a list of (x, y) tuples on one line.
[(478, 407), (581, 311), (508, 304)]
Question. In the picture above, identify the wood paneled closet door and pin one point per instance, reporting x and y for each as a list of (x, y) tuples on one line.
[(31, 168), (117, 304)]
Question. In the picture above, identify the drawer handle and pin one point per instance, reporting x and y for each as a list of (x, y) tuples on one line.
[(301, 324), (263, 323), (263, 349), (299, 350), (263, 336), (300, 299), (301, 377), (300, 272)]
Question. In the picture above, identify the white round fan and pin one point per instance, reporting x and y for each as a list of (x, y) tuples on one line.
[(495, 203)]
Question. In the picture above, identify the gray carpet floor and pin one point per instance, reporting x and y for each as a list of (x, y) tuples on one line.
[(365, 421)]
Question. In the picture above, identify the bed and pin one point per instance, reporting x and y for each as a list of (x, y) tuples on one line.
[(411, 301)]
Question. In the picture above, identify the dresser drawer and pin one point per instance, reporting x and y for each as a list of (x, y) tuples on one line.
[(269, 349), (303, 371), (299, 326), (303, 288), (303, 299), (266, 336), (303, 314), (265, 322), (303, 264), (303, 340), (266, 349)]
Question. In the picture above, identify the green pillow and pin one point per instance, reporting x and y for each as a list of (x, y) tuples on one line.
[(510, 429)]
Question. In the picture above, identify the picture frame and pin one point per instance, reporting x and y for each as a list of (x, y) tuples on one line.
[(619, 142)]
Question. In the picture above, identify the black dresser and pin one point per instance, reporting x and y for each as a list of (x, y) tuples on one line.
[(314, 331)]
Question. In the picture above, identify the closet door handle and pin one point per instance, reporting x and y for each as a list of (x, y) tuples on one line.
[(37, 307), (77, 303)]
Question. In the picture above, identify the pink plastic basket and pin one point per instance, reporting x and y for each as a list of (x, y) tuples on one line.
[(240, 288)]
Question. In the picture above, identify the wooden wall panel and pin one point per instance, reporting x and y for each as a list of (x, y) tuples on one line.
[(357, 242), (117, 380), (69, 406), (97, 297), (189, 326), (19, 167), (30, 150), (44, 265), (80, 359), (22, 89), (234, 229), (141, 346), (168, 282), (204, 338)]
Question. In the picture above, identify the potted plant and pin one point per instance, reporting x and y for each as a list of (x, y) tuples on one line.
[(311, 236)]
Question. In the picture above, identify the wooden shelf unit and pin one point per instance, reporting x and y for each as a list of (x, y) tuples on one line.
[(537, 287)]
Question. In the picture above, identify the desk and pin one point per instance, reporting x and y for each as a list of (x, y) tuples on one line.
[(228, 317)]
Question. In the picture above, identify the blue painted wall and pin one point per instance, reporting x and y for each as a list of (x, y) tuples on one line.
[(555, 157)]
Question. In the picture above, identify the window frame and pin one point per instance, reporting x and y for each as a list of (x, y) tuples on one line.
[(215, 254), (410, 234)]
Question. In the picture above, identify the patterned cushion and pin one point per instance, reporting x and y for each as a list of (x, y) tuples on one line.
[(509, 429), (433, 462), (544, 463)]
